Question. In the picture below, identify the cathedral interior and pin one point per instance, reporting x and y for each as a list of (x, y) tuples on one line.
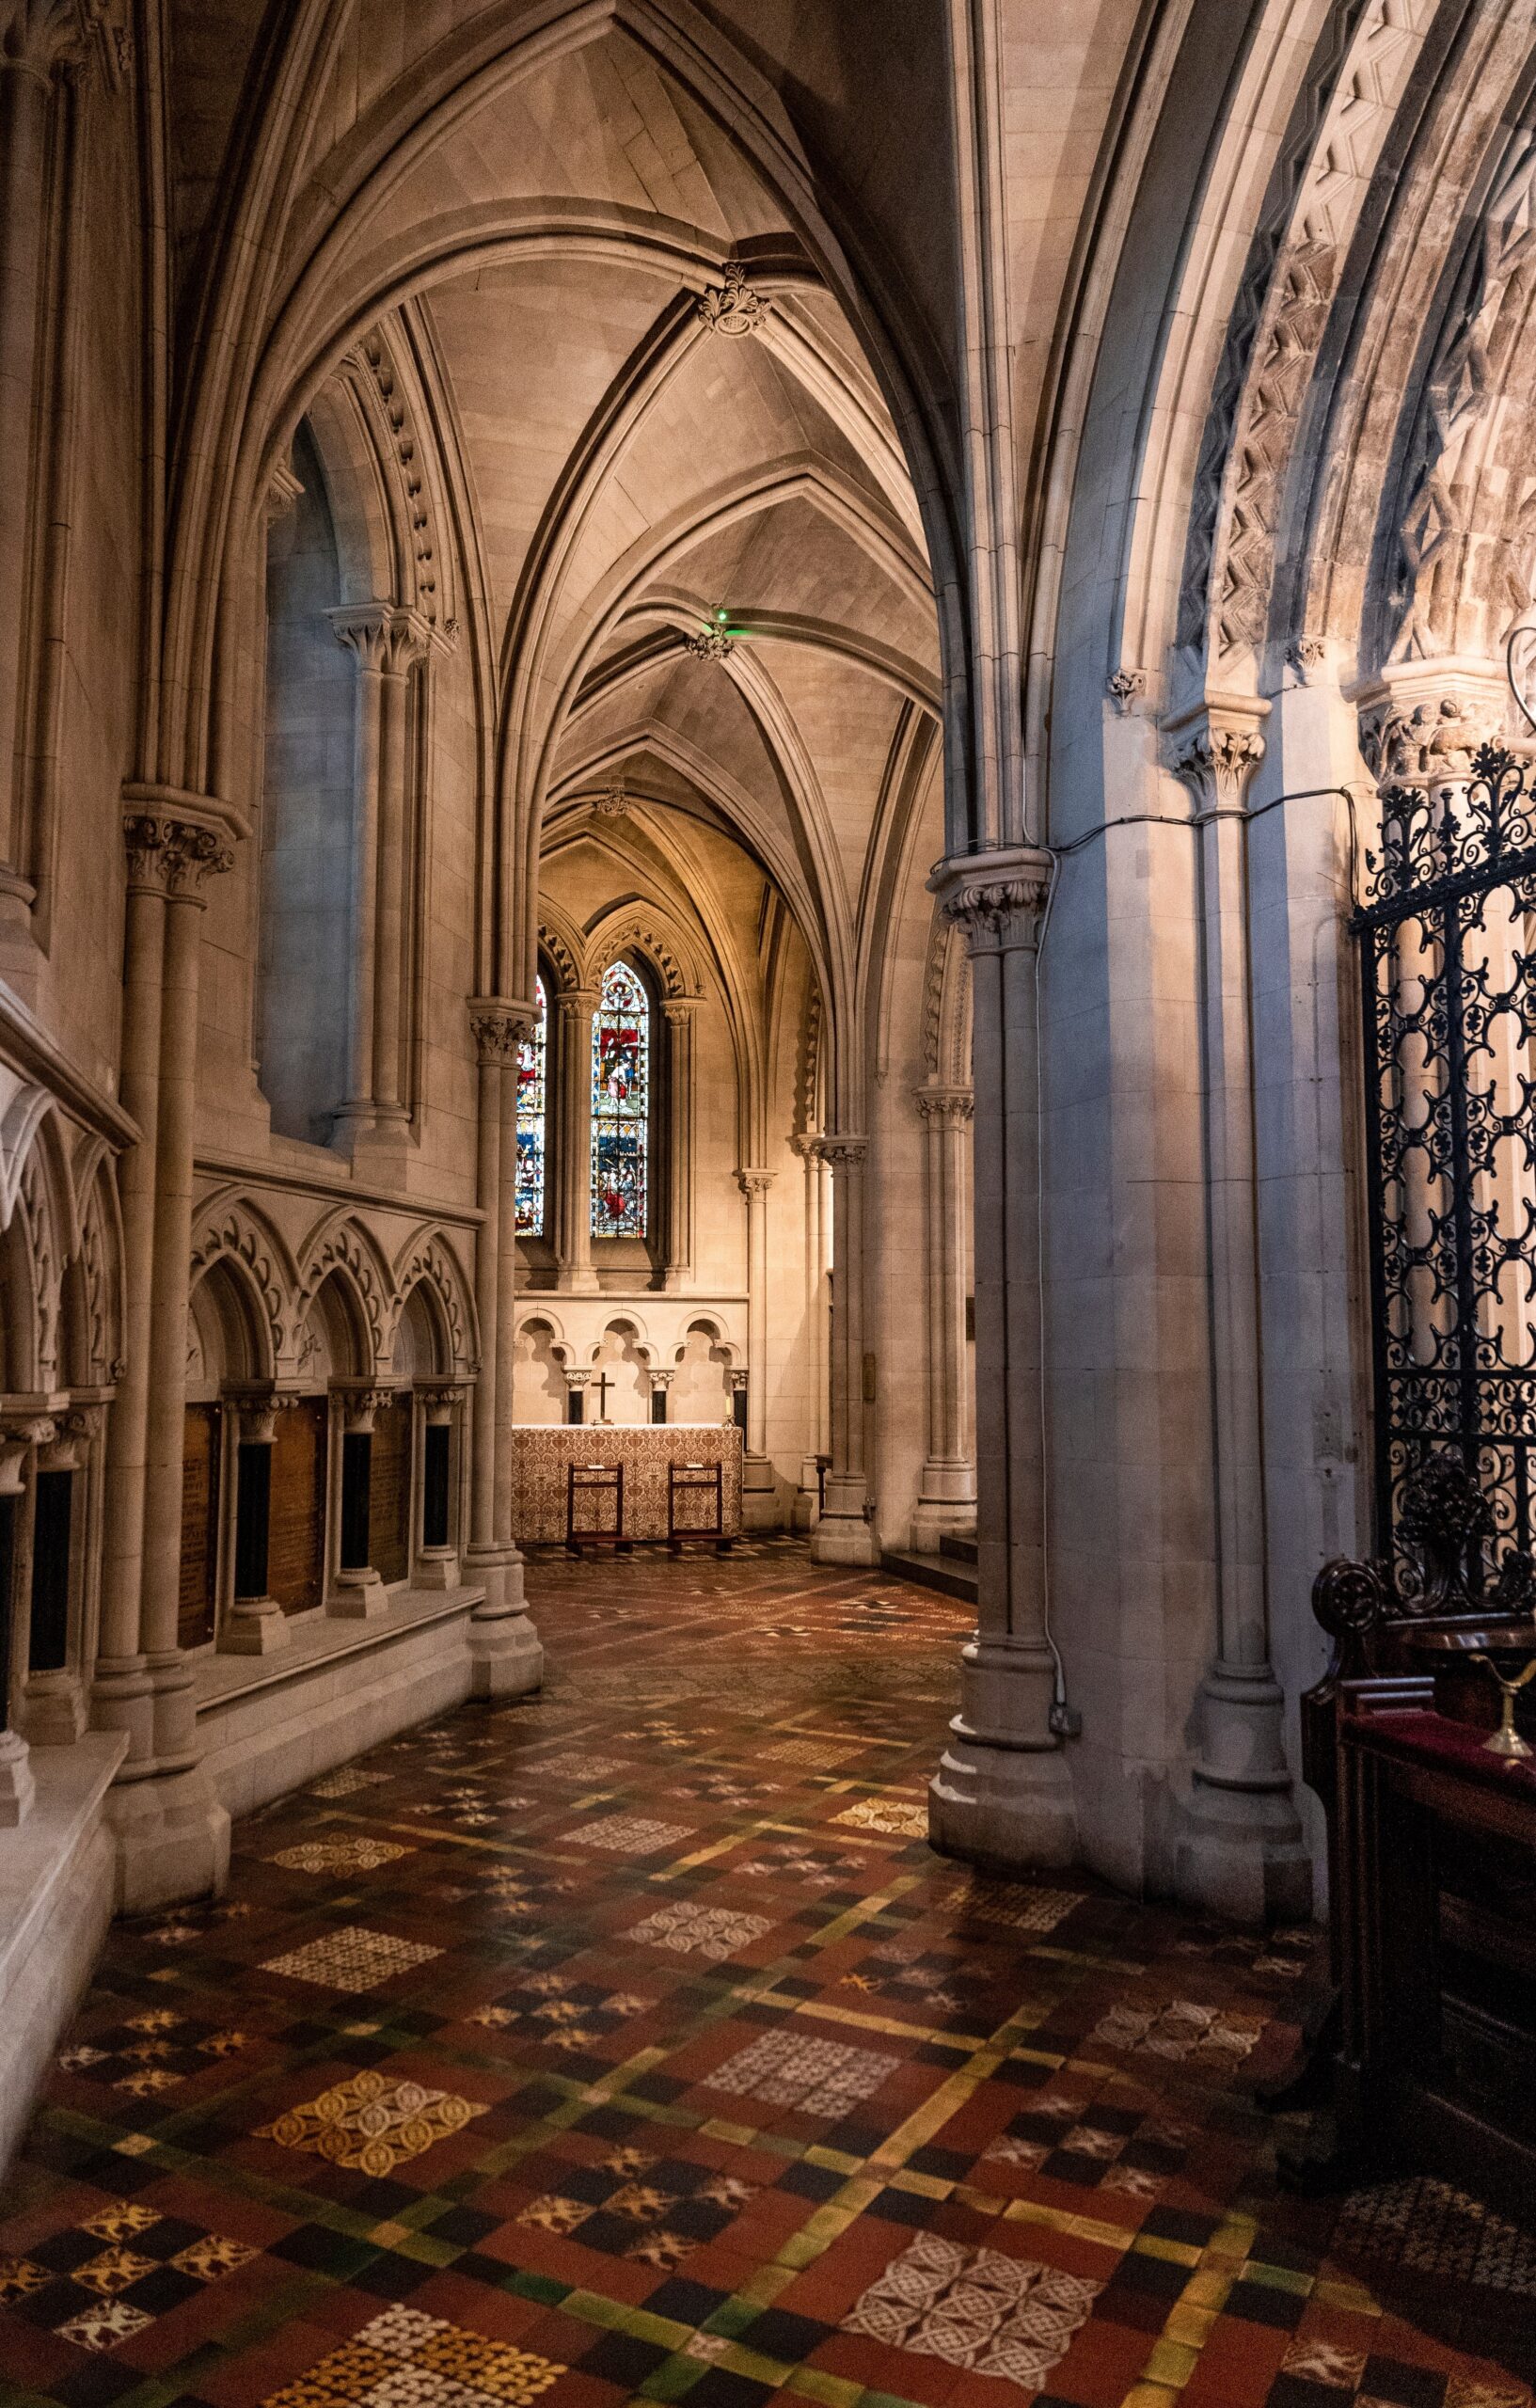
[(767, 1203)]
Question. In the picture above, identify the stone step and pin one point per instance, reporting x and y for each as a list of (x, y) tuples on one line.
[(939, 1572), (960, 1545)]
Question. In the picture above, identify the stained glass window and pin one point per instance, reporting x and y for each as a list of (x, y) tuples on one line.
[(533, 1096), (620, 1105)]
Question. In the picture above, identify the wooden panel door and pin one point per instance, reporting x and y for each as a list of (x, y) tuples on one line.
[(390, 1493), (296, 1532), (199, 1525)]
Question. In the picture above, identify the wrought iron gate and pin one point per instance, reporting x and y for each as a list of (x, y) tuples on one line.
[(1447, 958)]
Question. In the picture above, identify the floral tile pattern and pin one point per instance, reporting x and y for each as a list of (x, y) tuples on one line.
[(630, 2043)]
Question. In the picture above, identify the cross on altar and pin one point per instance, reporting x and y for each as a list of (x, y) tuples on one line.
[(604, 1385)]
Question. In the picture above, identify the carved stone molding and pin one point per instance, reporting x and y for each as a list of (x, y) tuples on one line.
[(950, 1106), (19, 1434), (753, 1182), (383, 637), (1307, 656), (733, 309), (613, 802), (173, 857), (501, 1026), (1126, 687), (1216, 750), (283, 494), (996, 897)]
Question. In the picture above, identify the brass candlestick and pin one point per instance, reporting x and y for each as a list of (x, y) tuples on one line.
[(1506, 1740)]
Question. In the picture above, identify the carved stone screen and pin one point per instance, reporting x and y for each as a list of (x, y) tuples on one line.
[(296, 1531), (199, 1526), (389, 1501)]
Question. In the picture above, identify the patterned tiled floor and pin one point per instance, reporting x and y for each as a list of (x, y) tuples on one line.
[(632, 2044)]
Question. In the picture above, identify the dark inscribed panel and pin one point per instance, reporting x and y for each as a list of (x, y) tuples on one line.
[(390, 1499), (296, 1529), (199, 1525)]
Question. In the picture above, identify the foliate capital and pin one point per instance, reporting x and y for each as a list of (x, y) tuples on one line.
[(501, 1027), (1215, 750), (841, 1151), (359, 1405), (383, 637), (753, 1182), (438, 1397), (1421, 722), (733, 309), (174, 856), (997, 897), (950, 1106)]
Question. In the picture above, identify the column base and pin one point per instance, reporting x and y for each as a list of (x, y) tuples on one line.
[(436, 1568), (506, 1656), (122, 1699), (1240, 1852), (17, 1786), (760, 1494), (254, 1626), (1002, 1796), (577, 1279), (173, 1838), (357, 1596), (53, 1709), (1241, 1855), (934, 1518), (843, 1538)]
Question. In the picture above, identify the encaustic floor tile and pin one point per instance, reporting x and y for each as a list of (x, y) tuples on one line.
[(630, 2043)]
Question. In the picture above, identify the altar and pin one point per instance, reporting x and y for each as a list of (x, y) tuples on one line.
[(542, 1454)]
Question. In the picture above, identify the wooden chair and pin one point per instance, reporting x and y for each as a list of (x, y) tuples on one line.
[(694, 1486), (591, 1484)]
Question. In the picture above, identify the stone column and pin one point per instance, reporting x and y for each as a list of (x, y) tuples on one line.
[(577, 1384), (495, 1029), (120, 1694), (19, 1437), (808, 1496), (507, 1656), (679, 1016), (368, 632), (358, 1593), (1002, 1793), (661, 1388), (574, 1275), (946, 1489), (436, 1556), (256, 1624), (406, 643), (759, 1488), (843, 1534), (62, 1527), (1241, 1851), (173, 1835), (38, 39)]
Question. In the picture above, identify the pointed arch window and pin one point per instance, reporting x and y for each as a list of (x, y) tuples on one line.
[(620, 1105), (532, 1113)]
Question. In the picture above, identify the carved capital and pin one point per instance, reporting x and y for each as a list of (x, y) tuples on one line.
[(733, 309), (172, 856), (662, 1382), (951, 1107), (679, 1010), (1420, 725), (576, 1000), (438, 1397), (19, 1434), (40, 37), (841, 1151), (1308, 656), (359, 1405), (1216, 751), (997, 897), (739, 1382), (501, 1026), (613, 802), (1126, 687), (283, 493), (258, 1419), (383, 637), (753, 1182), (578, 1380)]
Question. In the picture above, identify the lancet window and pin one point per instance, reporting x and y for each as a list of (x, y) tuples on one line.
[(532, 1117), (620, 1105)]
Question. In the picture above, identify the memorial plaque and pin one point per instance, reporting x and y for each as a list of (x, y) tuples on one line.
[(199, 1526), (297, 1529), (389, 1497)]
